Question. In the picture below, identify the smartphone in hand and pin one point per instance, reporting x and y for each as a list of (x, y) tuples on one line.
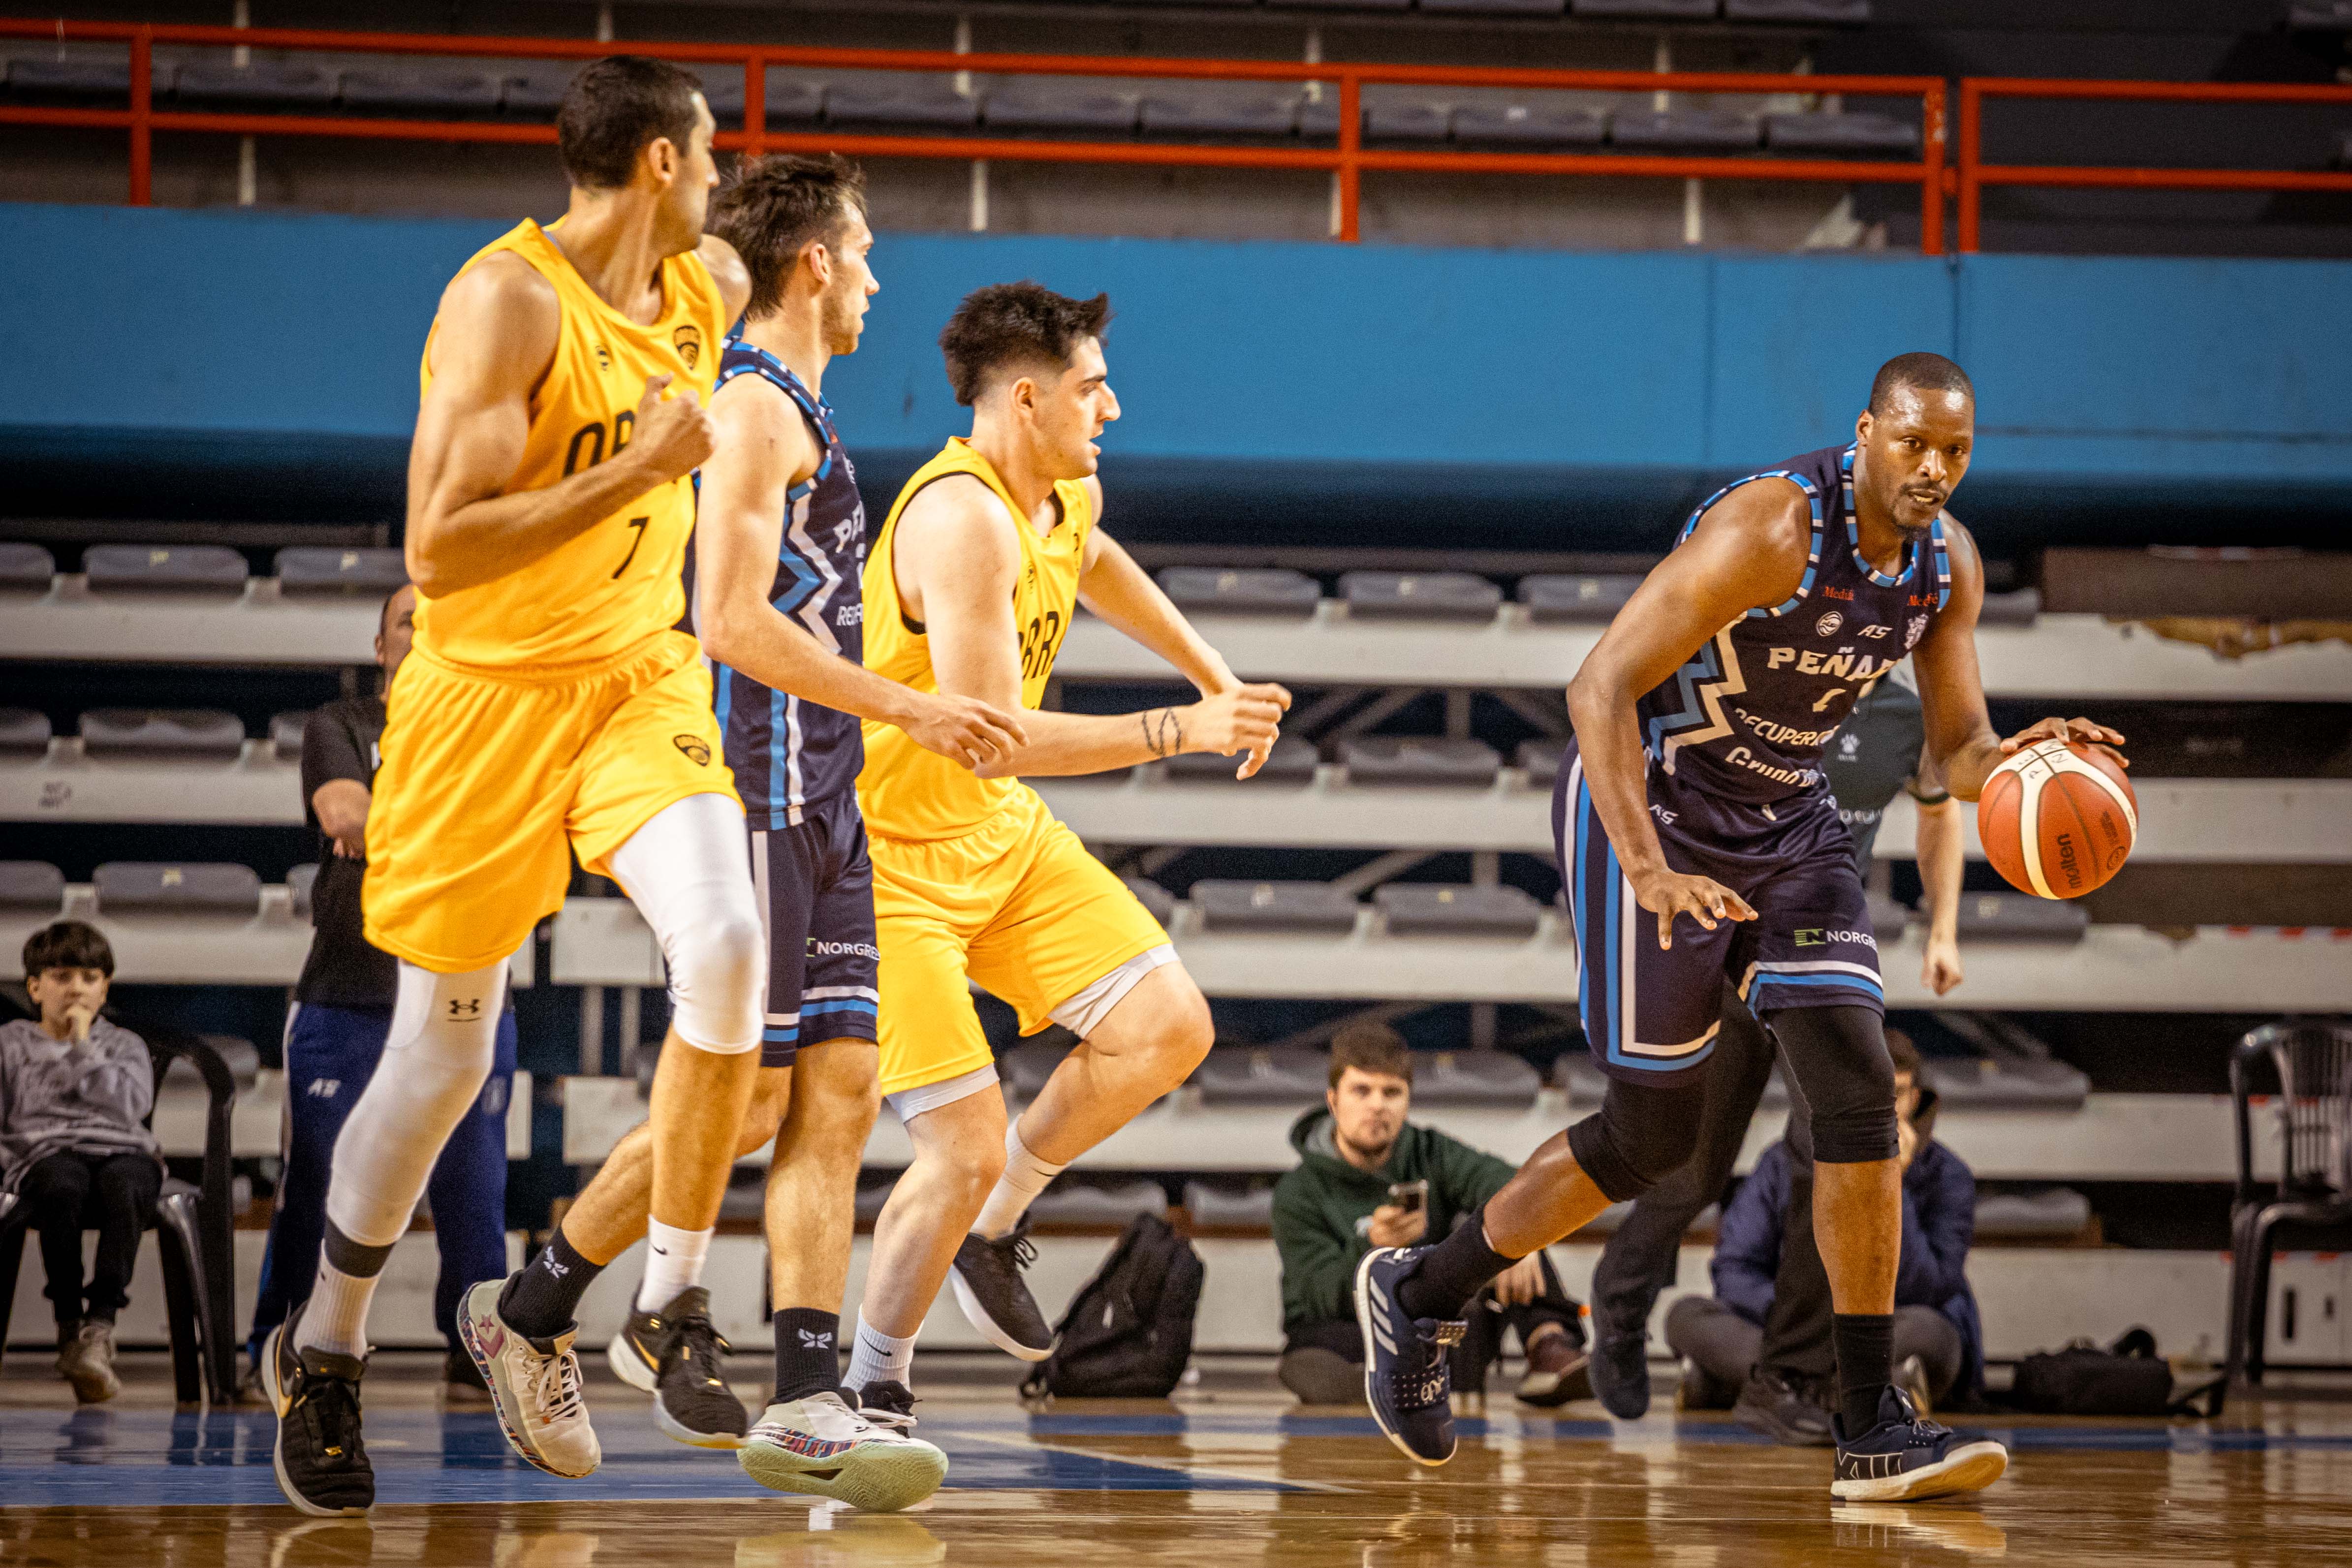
[(1410, 1197)]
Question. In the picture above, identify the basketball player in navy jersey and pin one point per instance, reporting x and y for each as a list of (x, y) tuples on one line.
[(1700, 844), (779, 550)]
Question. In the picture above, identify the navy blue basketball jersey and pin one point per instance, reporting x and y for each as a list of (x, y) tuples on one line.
[(789, 755), (1747, 719)]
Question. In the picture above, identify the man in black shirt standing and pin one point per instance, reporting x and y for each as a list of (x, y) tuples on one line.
[(335, 1039)]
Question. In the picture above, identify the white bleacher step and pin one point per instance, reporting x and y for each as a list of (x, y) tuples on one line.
[(2068, 656), (2107, 1138), (257, 1116)]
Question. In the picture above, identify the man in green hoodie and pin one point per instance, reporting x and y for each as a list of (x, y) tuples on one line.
[(1366, 1178)]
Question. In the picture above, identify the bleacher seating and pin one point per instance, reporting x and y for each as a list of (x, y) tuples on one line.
[(164, 568), (1493, 1079), (1539, 760), (1420, 760), (1216, 1206), (286, 734), (194, 888), (1557, 596), (1683, 131), (1420, 596), (1241, 591), (1291, 762), (1273, 906), (26, 566), (1431, 909), (321, 569), (24, 732), (81, 82), (1531, 126), (930, 103), (413, 93), (1153, 896), (298, 883), (1211, 113), (2051, 1213), (1081, 1201), (231, 88), (190, 732), (2020, 917), (1836, 12), (2008, 1082), (1253, 1076), (1647, 10), (1063, 106), (33, 885), (1875, 134)]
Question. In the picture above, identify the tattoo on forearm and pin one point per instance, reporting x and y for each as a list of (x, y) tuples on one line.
[(1162, 732)]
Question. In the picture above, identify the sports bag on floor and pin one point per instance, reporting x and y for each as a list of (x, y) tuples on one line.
[(1129, 1332), (2128, 1378)]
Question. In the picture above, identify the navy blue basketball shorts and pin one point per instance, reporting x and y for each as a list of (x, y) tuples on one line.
[(816, 897), (1651, 1014)]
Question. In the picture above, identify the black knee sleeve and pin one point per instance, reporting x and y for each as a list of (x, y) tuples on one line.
[(1838, 1057), (1638, 1138)]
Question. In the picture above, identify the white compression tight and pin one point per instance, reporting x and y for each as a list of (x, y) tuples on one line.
[(444, 1036), (689, 872)]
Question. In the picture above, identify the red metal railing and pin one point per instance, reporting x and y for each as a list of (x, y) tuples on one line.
[(1975, 174), (1348, 160)]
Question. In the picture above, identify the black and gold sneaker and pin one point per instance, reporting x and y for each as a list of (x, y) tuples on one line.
[(322, 1465), (677, 1356)]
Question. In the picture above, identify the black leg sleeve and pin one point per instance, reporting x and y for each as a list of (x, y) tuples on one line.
[(1639, 1260), (1837, 1057), (1639, 1137), (1797, 1330)]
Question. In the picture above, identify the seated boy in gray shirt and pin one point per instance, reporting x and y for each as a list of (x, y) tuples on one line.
[(75, 1149)]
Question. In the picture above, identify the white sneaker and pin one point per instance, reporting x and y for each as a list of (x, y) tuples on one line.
[(820, 1445), (537, 1392)]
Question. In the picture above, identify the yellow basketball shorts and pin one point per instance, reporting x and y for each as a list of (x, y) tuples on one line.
[(492, 778), (1017, 906)]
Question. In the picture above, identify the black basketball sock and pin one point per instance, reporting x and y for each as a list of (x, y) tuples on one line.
[(808, 1353), (1451, 1272), (542, 1300), (1865, 1344)]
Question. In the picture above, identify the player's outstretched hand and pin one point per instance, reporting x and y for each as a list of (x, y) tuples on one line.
[(965, 729), (1670, 893), (1245, 719), (672, 435), (2080, 730)]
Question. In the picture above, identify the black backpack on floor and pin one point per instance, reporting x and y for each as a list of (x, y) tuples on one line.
[(2127, 1378), (1128, 1333)]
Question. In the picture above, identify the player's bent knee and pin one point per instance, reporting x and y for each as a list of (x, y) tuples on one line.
[(771, 1097), (1839, 1059), (716, 982), (1638, 1138)]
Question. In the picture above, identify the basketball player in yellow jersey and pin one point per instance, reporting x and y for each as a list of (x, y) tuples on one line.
[(547, 709), (969, 590)]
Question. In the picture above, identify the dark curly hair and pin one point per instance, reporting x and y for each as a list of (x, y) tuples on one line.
[(68, 944), (1009, 327)]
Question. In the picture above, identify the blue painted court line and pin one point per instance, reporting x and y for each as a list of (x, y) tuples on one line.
[(151, 1458)]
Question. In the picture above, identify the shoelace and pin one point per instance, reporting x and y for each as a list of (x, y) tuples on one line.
[(555, 1387), (899, 1421), (699, 1346), (1018, 1248), (334, 1405)]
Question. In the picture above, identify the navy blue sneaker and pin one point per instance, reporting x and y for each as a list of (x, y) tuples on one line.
[(1620, 1371), (1907, 1457), (1406, 1381)]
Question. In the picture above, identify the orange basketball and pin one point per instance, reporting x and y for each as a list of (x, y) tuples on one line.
[(2058, 819)]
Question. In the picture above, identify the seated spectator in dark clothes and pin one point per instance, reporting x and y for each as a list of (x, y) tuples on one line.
[(1366, 1178), (75, 1150), (1939, 1338)]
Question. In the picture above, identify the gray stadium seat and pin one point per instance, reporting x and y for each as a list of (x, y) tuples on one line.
[(164, 568), (326, 569), (1441, 909), (2008, 1083), (1223, 1208), (1273, 906), (31, 885), (1558, 596), (2019, 608), (930, 103), (23, 732), (1499, 7), (162, 732), (536, 92), (1528, 125), (2020, 917), (1420, 118), (1420, 760), (794, 99), (1540, 758), (1024, 1068), (722, 89), (1421, 596), (287, 88), (1292, 762), (2053, 1212), (75, 81), (299, 882), (1152, 897), (1347, 5), (1647, 10), (1874, 133), (199, 887), (1287, 1075), (26, 566), (1834, 13), (1192, 115), (1241, 590), (1474, 1078), (1047, 104), (1887, 918), (1683, 129), (242, 1058), (1581, 1076), (286, 734), (422, 94), (1077, 1200)]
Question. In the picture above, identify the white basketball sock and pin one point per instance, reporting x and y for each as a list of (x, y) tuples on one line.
[(877, 1357), (1025, 1176), (335, 1317), (674, 1259)]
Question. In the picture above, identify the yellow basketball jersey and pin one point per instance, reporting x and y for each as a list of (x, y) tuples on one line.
[(618, 582), (904, 790)]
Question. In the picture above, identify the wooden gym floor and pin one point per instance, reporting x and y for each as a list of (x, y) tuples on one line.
[(1231, 1474)]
